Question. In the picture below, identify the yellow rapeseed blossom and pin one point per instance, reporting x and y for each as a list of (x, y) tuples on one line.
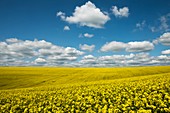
[(85, 90)]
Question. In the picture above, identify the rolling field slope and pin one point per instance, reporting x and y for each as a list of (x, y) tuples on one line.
[(92, 90), (23, 77)]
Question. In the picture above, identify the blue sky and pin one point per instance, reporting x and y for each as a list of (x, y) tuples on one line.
[(84, 33)]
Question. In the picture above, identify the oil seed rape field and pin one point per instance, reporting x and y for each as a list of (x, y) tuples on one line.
[(85, 90)]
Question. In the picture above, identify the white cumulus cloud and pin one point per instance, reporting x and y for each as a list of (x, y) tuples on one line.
[(86, 47), (88, 60), (113, 46), (72, 51), (40, 60), (61, 15), (66, 28), (121, 12), (12, 40), (88, 35), (139, 46), (165, 39), (15, 52), (86, 15), (166, 52), (139, 59)]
